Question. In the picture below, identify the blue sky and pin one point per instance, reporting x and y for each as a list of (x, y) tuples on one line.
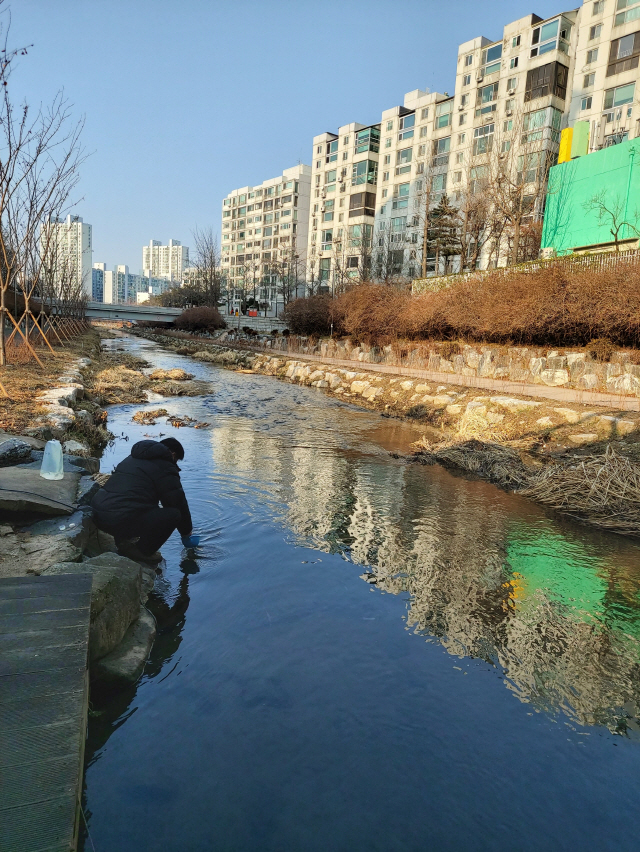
[(185, 101)]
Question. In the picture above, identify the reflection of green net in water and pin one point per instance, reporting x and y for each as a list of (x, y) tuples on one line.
[(567, 573)]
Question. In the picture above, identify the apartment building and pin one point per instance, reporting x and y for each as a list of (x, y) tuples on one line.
[(97, 281), (121, 286), (344, 182), (605, 82), (414, 158), (66, 246), (165, 261), (511, 101), (264, 239)]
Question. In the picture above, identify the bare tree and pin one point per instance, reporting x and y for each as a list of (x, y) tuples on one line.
[(206, 267), (612, 211), (39, 161)]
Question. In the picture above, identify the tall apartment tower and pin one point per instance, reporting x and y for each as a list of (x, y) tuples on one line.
[(67, 247), (605, 83), (344, 183), (264, 227), (511, 102), (97, 281), (414, 158), (168, 261)]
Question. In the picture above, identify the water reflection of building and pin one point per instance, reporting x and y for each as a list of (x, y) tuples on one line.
[(455, 548)]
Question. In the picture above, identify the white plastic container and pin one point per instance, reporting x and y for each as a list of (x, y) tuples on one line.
[(52, 464)]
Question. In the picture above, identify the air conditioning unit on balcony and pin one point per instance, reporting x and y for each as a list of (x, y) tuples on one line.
[(508, 112), (511, 92), (460, 107), (479, 78)]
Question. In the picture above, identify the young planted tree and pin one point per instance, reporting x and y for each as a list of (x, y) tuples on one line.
[(40, 155)]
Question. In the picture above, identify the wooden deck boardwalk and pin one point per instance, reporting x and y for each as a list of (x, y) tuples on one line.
[(44, 637)]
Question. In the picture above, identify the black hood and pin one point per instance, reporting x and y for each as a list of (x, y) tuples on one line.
[(151, 450)]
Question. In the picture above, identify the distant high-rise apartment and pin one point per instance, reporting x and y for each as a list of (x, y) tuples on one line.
[(97, 281), (168, 261), (122, 286), (344, 182), (67, 249), (264, 238)]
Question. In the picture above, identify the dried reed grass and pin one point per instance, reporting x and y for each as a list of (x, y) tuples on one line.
[(602, 489)]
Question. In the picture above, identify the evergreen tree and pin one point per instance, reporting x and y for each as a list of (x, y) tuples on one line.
[(443, 234)]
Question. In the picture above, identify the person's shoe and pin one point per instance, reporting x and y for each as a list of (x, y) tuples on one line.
[(132, 551)]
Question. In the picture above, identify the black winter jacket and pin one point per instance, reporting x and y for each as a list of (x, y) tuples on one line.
[(145, 478)]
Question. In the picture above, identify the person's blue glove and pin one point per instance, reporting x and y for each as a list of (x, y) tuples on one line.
[(191, 540)]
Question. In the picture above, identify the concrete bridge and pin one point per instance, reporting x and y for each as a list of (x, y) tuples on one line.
[(130, 313)]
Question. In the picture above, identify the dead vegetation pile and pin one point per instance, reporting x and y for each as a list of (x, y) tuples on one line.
[(175, 375), (148, 418), (601, 489), (493, 462), (558, 305)]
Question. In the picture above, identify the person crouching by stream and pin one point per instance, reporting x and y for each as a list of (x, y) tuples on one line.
[(127, 507)]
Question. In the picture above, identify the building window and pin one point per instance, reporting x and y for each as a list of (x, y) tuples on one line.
[(390, 125), (459, 157), (466, 80), (443, 113), (551, 36), (468, 60), (423, 132), (403, 156), (598, 7), (438, 183), (595, 31), (619, 96), (424, 114), (385, 176), (385, 193), (632, 12), (623, 54), (457, 177), (586, 103), (462, 138), (515, 41), (592, 55), (345, 140), (387, 159), (362, 204), (589, 80), (550, 79), (514, 62), (366, 171), (387, 142), (325, 268), (512, 83), (485, 99), (462, 119), (345, 155), (483, 139)]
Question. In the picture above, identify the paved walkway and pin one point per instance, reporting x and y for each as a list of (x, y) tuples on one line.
[(44, 637), (502, 386)]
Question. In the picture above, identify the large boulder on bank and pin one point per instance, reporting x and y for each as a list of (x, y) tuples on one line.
[(125, 664), (22, 489), (13, 450), (116, 591)]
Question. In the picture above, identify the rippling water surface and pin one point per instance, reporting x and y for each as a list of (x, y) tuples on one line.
[(367, 654)]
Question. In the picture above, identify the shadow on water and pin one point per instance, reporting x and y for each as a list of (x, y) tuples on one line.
[(288, 662)]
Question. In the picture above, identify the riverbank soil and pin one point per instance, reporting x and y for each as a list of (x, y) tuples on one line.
[(578, 459), (25, 380)]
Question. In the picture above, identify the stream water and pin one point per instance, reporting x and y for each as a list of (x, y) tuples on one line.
[(366, 654)]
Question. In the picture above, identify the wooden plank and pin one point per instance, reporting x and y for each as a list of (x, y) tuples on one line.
[(44, 637)]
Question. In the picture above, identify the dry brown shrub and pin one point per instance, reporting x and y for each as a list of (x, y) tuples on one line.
[(556, 305), (372, 313), (203, 318), (601, 349), (310, 317)]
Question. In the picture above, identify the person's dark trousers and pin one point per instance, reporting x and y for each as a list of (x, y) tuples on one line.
[(152, 528)]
